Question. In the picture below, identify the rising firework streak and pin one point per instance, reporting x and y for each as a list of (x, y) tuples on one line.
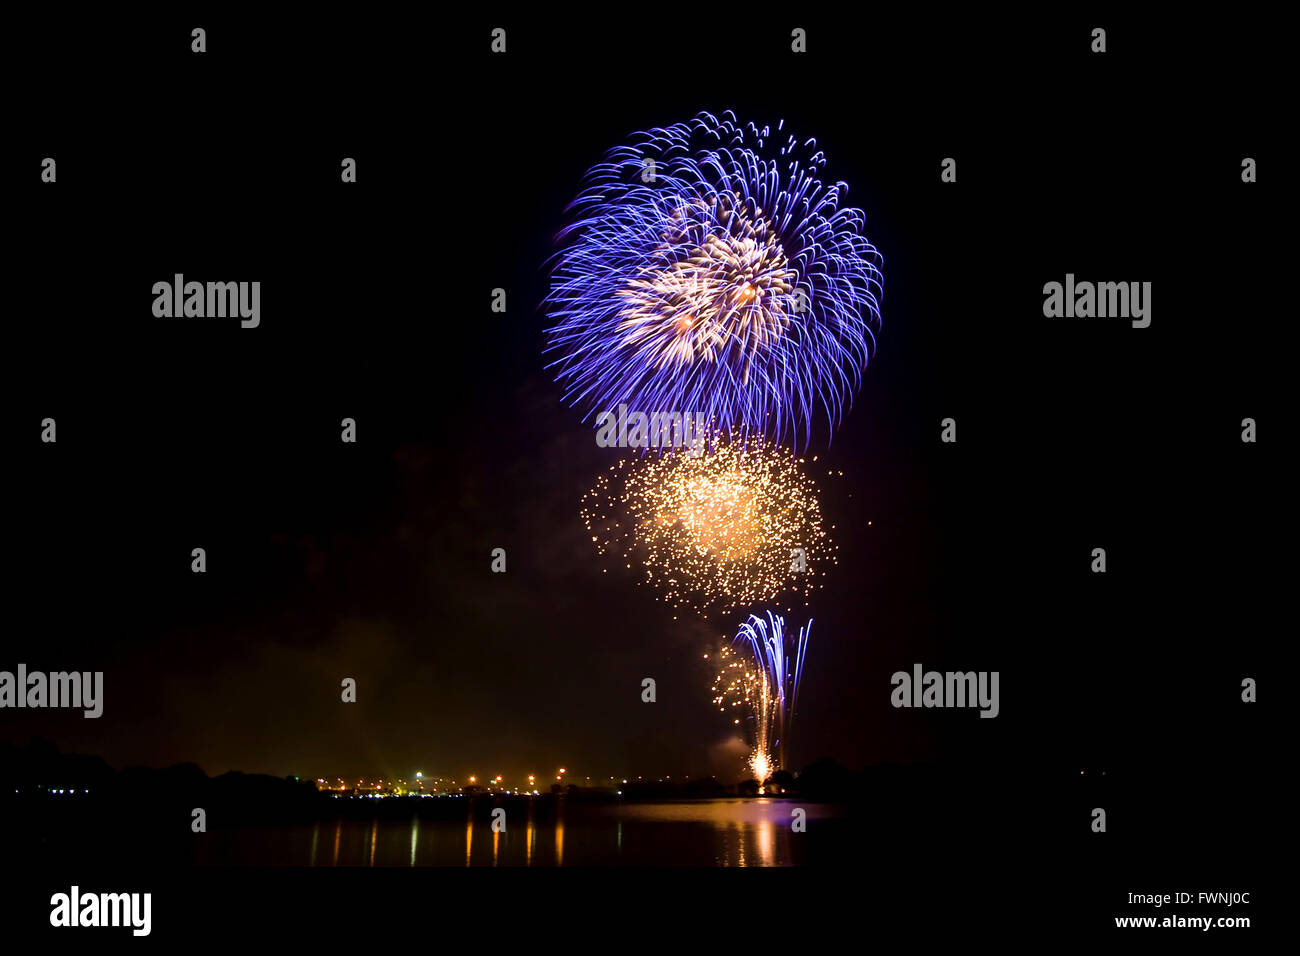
[(758, 686)]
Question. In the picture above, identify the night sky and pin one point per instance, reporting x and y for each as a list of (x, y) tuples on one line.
[(371, 560)]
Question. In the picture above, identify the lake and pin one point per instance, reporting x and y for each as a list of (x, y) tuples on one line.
[(738, 832)]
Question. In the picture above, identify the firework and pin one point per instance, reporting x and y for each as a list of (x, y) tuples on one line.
[(709, 269), (758, 686), (730, 528)]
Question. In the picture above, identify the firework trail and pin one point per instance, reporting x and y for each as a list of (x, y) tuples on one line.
[(707, 268), (761, 682), (732, 528)]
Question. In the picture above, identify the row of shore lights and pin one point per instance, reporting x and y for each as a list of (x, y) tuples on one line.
[(532, 778)]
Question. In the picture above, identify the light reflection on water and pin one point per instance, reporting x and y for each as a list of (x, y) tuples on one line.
[(727, 832), (530, 835)]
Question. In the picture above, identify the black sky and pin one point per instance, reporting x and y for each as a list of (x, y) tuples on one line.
[(372, 561)]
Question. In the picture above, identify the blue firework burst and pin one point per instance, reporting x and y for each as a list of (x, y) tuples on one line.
[(708, 268)]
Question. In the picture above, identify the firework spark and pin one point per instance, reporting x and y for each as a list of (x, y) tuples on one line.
[(758, 686), (730, 528), (709, 269)]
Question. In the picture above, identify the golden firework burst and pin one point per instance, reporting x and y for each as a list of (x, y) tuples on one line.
[(736, 526)]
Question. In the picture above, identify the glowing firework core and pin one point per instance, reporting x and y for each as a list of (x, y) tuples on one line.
[(726, 293), (721, 516)]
